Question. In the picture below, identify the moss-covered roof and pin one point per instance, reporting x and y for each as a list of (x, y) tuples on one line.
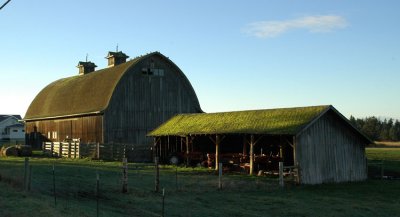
[(283, 121), (80, 94)]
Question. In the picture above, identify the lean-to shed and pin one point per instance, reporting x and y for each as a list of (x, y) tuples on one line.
[(118, 104), (318, 139)]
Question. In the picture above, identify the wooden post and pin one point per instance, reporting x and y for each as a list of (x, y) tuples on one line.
[(54, 187), (220, 176), (97, 193), (30, 177), (294, 151), (124, 175), (281, 174), (187, 150), (26, 173), (176, 177), (251, 154), (98, 150), (157, 175), (217, 143), (163, 201), (382, 170)]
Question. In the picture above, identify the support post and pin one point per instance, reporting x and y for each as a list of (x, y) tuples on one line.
[(294, 151), (217, 143), (281, 184), (251, 154), (187, 150)]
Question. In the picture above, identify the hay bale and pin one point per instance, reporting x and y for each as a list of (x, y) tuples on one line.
[(10, 151), (24, 150)]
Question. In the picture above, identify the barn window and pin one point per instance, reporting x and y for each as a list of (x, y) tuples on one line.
[(54, 134), (15, 131), (49, 135)]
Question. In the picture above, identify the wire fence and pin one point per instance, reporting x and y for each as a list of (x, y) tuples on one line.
[(73, 184)]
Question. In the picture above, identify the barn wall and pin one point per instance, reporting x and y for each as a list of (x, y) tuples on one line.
[(330, 151), (87, 129), (142, 101)]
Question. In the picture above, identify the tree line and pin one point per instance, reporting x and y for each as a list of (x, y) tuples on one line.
[(377, 129)]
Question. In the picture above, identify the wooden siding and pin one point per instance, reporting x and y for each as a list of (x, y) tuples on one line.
[(141, 102), (87, 129), (330, 151)]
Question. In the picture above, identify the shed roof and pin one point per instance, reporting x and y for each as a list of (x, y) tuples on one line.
[(80, 94), (282, 121)]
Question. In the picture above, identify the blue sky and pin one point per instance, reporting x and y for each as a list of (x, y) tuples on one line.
[(238, 55)]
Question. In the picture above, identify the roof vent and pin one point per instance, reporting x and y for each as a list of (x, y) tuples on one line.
[(86, 67), (116, 58)]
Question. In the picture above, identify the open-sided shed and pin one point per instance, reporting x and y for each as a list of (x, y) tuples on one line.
[(317, 139)]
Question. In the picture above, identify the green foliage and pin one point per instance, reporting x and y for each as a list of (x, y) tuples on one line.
[(378, 130), (271, 121)]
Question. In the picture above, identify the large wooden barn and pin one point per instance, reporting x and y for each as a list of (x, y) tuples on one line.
[(318, 140), (118, 104)]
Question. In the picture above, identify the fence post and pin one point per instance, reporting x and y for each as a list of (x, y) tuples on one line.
[(157, 175), (382, 170), (26, 171), (124, 175), (219, 176), (98, 150), (30, 177), (97, 193), (54, 187), (176, 177), (163, 202), (281, 183)]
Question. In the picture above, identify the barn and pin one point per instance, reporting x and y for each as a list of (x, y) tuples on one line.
[(318, 141), (117, 104)]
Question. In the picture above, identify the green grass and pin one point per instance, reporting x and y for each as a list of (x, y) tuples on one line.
[(197, 193)]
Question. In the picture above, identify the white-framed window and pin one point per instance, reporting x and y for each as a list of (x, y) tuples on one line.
[(54, 134)]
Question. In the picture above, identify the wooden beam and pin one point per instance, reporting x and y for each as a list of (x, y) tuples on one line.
[(217, 143), (251, 154), (187, 150)]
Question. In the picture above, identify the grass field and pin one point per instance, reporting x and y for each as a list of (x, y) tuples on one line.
[(195, 195)]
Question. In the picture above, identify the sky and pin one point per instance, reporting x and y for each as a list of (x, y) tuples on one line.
[(238, 55)]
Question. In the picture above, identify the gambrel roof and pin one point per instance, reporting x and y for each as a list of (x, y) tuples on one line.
[(81, 94)]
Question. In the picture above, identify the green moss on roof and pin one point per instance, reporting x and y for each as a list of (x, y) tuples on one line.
[(284, 121), (79, 94)]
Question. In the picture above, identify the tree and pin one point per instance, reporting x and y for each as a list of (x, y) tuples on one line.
[(371, 128)]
